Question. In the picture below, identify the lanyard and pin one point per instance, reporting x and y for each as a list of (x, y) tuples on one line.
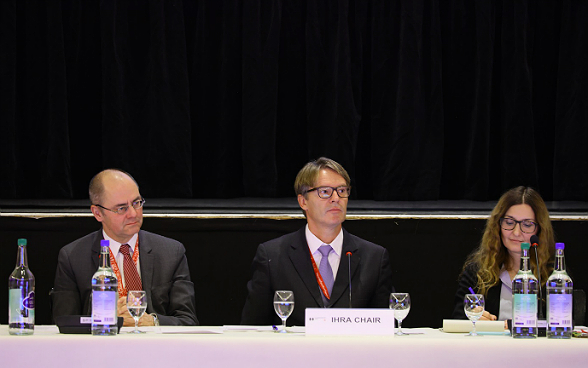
[(122, 291), (319, 278)]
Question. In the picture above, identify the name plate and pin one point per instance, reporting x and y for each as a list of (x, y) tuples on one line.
[(85, 320), (349, 321)]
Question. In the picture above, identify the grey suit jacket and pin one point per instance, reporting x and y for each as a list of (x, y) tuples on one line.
[(284, 264), (164, 275)]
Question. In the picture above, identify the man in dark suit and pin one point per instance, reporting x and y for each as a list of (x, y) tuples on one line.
[(141, 260), (314, 261)]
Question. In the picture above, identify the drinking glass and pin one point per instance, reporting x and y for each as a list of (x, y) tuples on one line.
[(136, 304), (283, 305), (400, 302), (473, 305)]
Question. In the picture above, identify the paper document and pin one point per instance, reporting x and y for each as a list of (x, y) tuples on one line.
[(465, 325)]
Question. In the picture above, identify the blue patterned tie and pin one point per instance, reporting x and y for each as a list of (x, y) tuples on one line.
[(326, 270)]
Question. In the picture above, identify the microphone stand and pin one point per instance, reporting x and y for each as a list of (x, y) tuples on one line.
[(539, 279), (349, 266), (541, 321)]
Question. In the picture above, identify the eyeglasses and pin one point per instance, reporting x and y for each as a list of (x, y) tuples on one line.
[(526, 226), (123, 209), (327, 192)]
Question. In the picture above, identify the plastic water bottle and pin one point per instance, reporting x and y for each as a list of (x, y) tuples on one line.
[(104, 295), (21, 295), (524, 299), (560, 290)]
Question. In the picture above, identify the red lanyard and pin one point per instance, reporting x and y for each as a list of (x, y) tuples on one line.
[(319, 278), (121, 289)]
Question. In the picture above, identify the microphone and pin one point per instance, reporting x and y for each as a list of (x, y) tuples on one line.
[(534, 244), (348, 254), (534, 241)]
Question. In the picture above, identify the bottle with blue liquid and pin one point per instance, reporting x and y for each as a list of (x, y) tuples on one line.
[(560, 290), (524, 298), (21, 295), (104, 295)]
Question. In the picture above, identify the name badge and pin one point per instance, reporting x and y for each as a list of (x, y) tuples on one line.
[(349, 321)]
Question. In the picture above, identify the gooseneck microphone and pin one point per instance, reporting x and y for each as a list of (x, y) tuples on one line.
[(348, 254), (534, 241), (534, 244)]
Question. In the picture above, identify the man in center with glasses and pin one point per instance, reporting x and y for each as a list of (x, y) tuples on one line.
[(316, 261), (141, 260)]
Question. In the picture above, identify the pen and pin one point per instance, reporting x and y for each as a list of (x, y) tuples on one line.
[(473, 292)]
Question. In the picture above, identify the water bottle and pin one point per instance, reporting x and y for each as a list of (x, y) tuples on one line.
[(560, 290), (524, 299), (104, 295), (21, 295)]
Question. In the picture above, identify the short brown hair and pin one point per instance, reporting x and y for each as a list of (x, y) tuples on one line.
[(308, 175)]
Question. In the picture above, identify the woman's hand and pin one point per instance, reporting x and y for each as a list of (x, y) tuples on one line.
[(486, 316)]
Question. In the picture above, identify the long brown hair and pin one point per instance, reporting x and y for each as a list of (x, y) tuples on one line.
[(491, 254)]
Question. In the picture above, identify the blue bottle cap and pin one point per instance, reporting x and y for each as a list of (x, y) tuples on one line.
[(105, 243), (559, 246)]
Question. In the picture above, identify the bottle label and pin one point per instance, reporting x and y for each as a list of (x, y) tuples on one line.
[(104, 307), (29, 301), (560, 310), (524, 310), (21, 309)]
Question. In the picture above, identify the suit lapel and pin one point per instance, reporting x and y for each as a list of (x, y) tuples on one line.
[(342, 280), (146, 264), (300, 257), (96, 249), (95, 259)]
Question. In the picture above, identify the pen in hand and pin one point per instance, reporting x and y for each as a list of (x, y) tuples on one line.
[(487, 314)]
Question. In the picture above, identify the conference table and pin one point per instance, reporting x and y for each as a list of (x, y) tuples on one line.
[(238, 346)]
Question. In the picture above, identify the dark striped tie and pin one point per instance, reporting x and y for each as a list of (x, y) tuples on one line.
[(132, 278)]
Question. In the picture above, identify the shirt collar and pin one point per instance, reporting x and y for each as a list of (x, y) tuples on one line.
[(314, 243), (505, 277), (115, 246)]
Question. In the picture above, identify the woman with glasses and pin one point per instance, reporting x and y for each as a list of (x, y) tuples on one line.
[(519, 214)]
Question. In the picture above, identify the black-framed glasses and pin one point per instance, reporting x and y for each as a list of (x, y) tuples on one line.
[(327, 192), (526, 226), (123, 209)]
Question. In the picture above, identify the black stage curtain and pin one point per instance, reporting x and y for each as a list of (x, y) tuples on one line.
[(418, 99)]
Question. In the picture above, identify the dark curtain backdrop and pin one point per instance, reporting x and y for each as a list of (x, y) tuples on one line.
[(419, 100)]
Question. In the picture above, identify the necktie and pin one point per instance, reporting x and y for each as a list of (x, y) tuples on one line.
[(326, 270), (132, 279)]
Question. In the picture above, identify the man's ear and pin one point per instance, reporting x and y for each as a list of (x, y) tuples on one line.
[(97, 213), (302, 202)]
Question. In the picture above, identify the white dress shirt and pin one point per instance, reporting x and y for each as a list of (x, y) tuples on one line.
[(119, 257), (334, 257), (505, 311)]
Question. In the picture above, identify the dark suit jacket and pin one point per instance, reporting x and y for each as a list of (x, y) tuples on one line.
[(284, 264), (164, 275), (469, 279)]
